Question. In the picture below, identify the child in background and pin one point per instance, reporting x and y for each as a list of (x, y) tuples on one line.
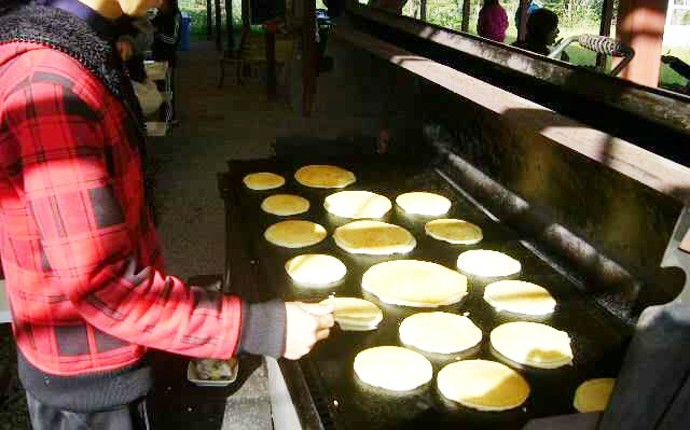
[(493, 21)]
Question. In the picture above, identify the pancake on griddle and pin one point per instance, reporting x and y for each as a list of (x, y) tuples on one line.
[(393, 368), (295, 233), (285, 204), (324, 176), (353, 314), (423, 203), (357, 204), (374, 238), (483, 385), (439, 332), (414, 283), (487, 263), (261, 181), (455, 231), (519, 297), (593, 395), (315, 270), (532, 344)]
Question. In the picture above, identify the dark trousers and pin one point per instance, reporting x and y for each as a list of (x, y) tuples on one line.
[(132, 416)]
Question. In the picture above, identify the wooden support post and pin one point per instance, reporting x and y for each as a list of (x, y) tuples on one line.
[(308, 55), (219, 43), (605, 29), (209, 20), (522, 20), (466, 10), (422, 10), (641, 26), (271, 83), (229, 26), (246, 14)]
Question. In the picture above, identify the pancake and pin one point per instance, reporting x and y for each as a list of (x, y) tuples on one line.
[(455, 231), (353, 314), (263, 181), (285, 204), (593, 395), (357, 204), (324, 176), (483, 262), (414, 283), (439, 332), (374, 238), (423, 203), (392, 368), (532, 344), (295, 233), (483, 385), (315, 270), (519, 297)]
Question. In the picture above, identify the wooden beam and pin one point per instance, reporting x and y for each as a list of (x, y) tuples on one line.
[(663, 107), (641, 26), (654, 171), (605, 29)]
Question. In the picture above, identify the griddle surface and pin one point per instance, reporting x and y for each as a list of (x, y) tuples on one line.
[(598, 338)]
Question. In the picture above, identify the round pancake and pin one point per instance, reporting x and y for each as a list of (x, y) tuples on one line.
[(353, 314), (439, 332), (593, 395), (374, 238), (393, 368), (263, 181), (357, 204), (455, 231), (487, 263), (324, 176), (315, 270), (483, 385), (295, 233), (423, 203), (519, 297), (414, 283), (285, 204), (532, 344)]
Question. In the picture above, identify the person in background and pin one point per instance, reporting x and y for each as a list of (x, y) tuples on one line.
[(493, 21), (135, 41), (532, 6), (83, 266), (542, 30), (166, 26)]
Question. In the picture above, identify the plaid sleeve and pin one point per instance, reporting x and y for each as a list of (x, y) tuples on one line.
[(89, 245)]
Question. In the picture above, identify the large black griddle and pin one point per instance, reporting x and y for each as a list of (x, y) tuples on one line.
[(324, 388)]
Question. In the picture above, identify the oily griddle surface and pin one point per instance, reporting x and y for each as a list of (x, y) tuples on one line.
[(598, 339)]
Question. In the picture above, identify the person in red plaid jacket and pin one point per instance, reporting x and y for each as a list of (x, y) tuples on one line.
[(84, 274)]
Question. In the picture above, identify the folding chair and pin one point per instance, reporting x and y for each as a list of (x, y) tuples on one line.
[(601, 45)]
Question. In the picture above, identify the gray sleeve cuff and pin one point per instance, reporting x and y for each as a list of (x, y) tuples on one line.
[(263, 328)]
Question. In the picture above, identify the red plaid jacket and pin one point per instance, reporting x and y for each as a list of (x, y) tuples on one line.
[(79, 251)]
